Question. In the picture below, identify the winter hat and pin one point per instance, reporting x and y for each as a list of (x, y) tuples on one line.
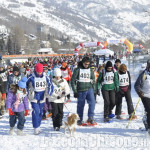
[(22, 83), (39, 67), (64, 64), (123, 67), (16, 69), (57, 72), (108, 64), (118, 61), (93, 66)]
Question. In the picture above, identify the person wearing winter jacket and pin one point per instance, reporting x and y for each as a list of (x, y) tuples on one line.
[(108, 81), (67, 75), (83, 86), (124, 91), (17, 105), (3, 89), (117, 64), (38, 83), (142, 87), (14, 78), (61, 89)]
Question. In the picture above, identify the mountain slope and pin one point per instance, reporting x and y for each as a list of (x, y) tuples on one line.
[(84, 20)]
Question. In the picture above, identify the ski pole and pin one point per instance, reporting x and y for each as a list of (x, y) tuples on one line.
[(133, 113)]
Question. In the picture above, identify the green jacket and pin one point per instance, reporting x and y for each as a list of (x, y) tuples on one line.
[(82, 86), (107, 87)]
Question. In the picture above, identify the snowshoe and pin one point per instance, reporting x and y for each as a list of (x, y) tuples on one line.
[(132, 117), (49, 115), (111, 116), (91, 122), (68, 101), (44, 117), (107, 120), (119, 117)]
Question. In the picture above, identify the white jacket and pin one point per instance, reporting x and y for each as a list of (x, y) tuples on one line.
[(59, 87)]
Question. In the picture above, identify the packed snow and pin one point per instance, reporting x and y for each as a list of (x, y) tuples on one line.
[(109, 136)]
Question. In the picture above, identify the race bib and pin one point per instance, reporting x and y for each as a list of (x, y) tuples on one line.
[(57, 90), (109, 78), (40, 84), (21, 97), (123, 80), (84, 75), (4, 77), (64, 73), (16, 80)]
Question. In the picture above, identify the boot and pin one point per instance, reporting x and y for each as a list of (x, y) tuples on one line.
[(1, 116), (56, 128), (80, 122), (91, 120), (37, 131), (11, 131), (119, 117), (20, 132), (106, 119), (44, 116), (133, 117)]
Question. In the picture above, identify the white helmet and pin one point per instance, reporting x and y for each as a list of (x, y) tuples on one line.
[(57, 72)]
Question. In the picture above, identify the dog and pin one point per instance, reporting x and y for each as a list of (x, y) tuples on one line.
[(71, 123)]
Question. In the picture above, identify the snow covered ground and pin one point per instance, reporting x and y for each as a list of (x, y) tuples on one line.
[(104, 136)]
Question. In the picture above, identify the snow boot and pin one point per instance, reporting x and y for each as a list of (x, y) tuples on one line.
[(91, 120), (11, 131), (37, 131), (56, 128), (107, 120), (1, 116), (20, 132), (133, 117), (119, 117), (44, 116), (144, 119), (80, 122)]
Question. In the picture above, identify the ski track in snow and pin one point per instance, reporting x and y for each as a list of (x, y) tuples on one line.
[(104, 136)]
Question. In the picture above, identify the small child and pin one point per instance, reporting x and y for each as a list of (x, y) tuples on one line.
[(16, 104)]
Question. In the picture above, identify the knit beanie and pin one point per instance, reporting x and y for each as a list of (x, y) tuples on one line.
[(39, 67), (64, 64), (57, 72), (22, 83), (108, 64), (118, 61), (16, 69), (123, 67)]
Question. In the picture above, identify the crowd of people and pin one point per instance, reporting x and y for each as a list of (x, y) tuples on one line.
[(45, 85)]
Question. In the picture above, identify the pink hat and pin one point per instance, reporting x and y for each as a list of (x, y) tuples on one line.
[(39, 67)]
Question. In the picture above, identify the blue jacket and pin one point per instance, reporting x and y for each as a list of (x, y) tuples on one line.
[(40, 86)]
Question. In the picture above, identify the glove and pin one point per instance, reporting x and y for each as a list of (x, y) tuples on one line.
[(140, 93), (11, 113), (58, 97), (26, 112), (75, 95), (63, 93)]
